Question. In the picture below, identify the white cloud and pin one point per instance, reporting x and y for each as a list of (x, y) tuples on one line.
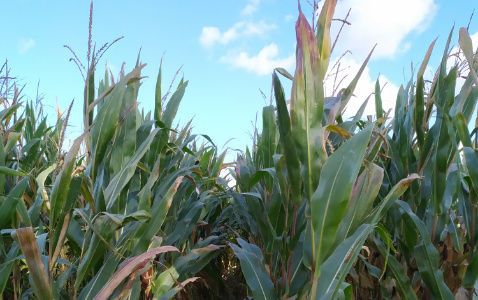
[(288, 18), (263, 63), (24, 45), (385, 22), (365, 87), (250, 8), (209, 36), (212, 35)]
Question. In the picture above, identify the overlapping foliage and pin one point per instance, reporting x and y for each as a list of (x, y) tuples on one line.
[(93, 226), (325, 207)]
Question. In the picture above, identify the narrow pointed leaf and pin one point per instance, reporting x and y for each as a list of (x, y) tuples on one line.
[(253, 268), (333, 193), (290, 154), (128, 267), (8, 207), (307, 102), (28, 244), (125, 174), (323, 35), (60, 188)]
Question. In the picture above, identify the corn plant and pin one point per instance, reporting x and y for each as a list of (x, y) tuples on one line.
[(311, 181), (432, 226), (98, 230)]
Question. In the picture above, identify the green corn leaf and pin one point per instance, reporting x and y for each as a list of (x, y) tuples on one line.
[(13, 137), (89, 93), (173, 105), (471, 274), (268, 143), (326, 286), (7, 112), (378, 100), (188, 264), (347, 94), (157, 96), (7, 265), (424, 64), (60, 188), (332, 195), (185, 225), (418, 112), (125, 174), (167, 118), (323, 35), (8, 207), (144, 195), (403, 283), (103, 229), (23, 215), (261, 174), (471, 163), (58, 236), (444, 149), (290, 154), (7, 171), (427, 258), (218, 165), (257, 209), (170, 294), (159, 210), (2, 165), (364, 192), (125, 241), (462, 130), (106, 122), (253, 268), (125, 141), (338, 264)]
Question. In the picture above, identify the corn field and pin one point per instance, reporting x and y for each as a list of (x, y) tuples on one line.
[(323, 206)]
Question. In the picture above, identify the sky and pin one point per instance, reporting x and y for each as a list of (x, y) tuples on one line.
[(227, 51)]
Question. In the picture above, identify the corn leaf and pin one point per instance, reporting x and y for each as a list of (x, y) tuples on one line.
[(106, 122), (427, 258), (403, 285), (323, 35), (28, 244), (307, 102), (125, 174), (60, 188), (332, 195), (8, 207), (128, 267), (253, 268)]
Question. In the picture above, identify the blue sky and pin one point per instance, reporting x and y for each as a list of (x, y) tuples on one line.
[(227, 50)]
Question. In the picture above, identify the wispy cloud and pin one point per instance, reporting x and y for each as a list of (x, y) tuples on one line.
[(289, 18), (24, 45), (386, 22), (261, 64), (250, 8), (210, 36)]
